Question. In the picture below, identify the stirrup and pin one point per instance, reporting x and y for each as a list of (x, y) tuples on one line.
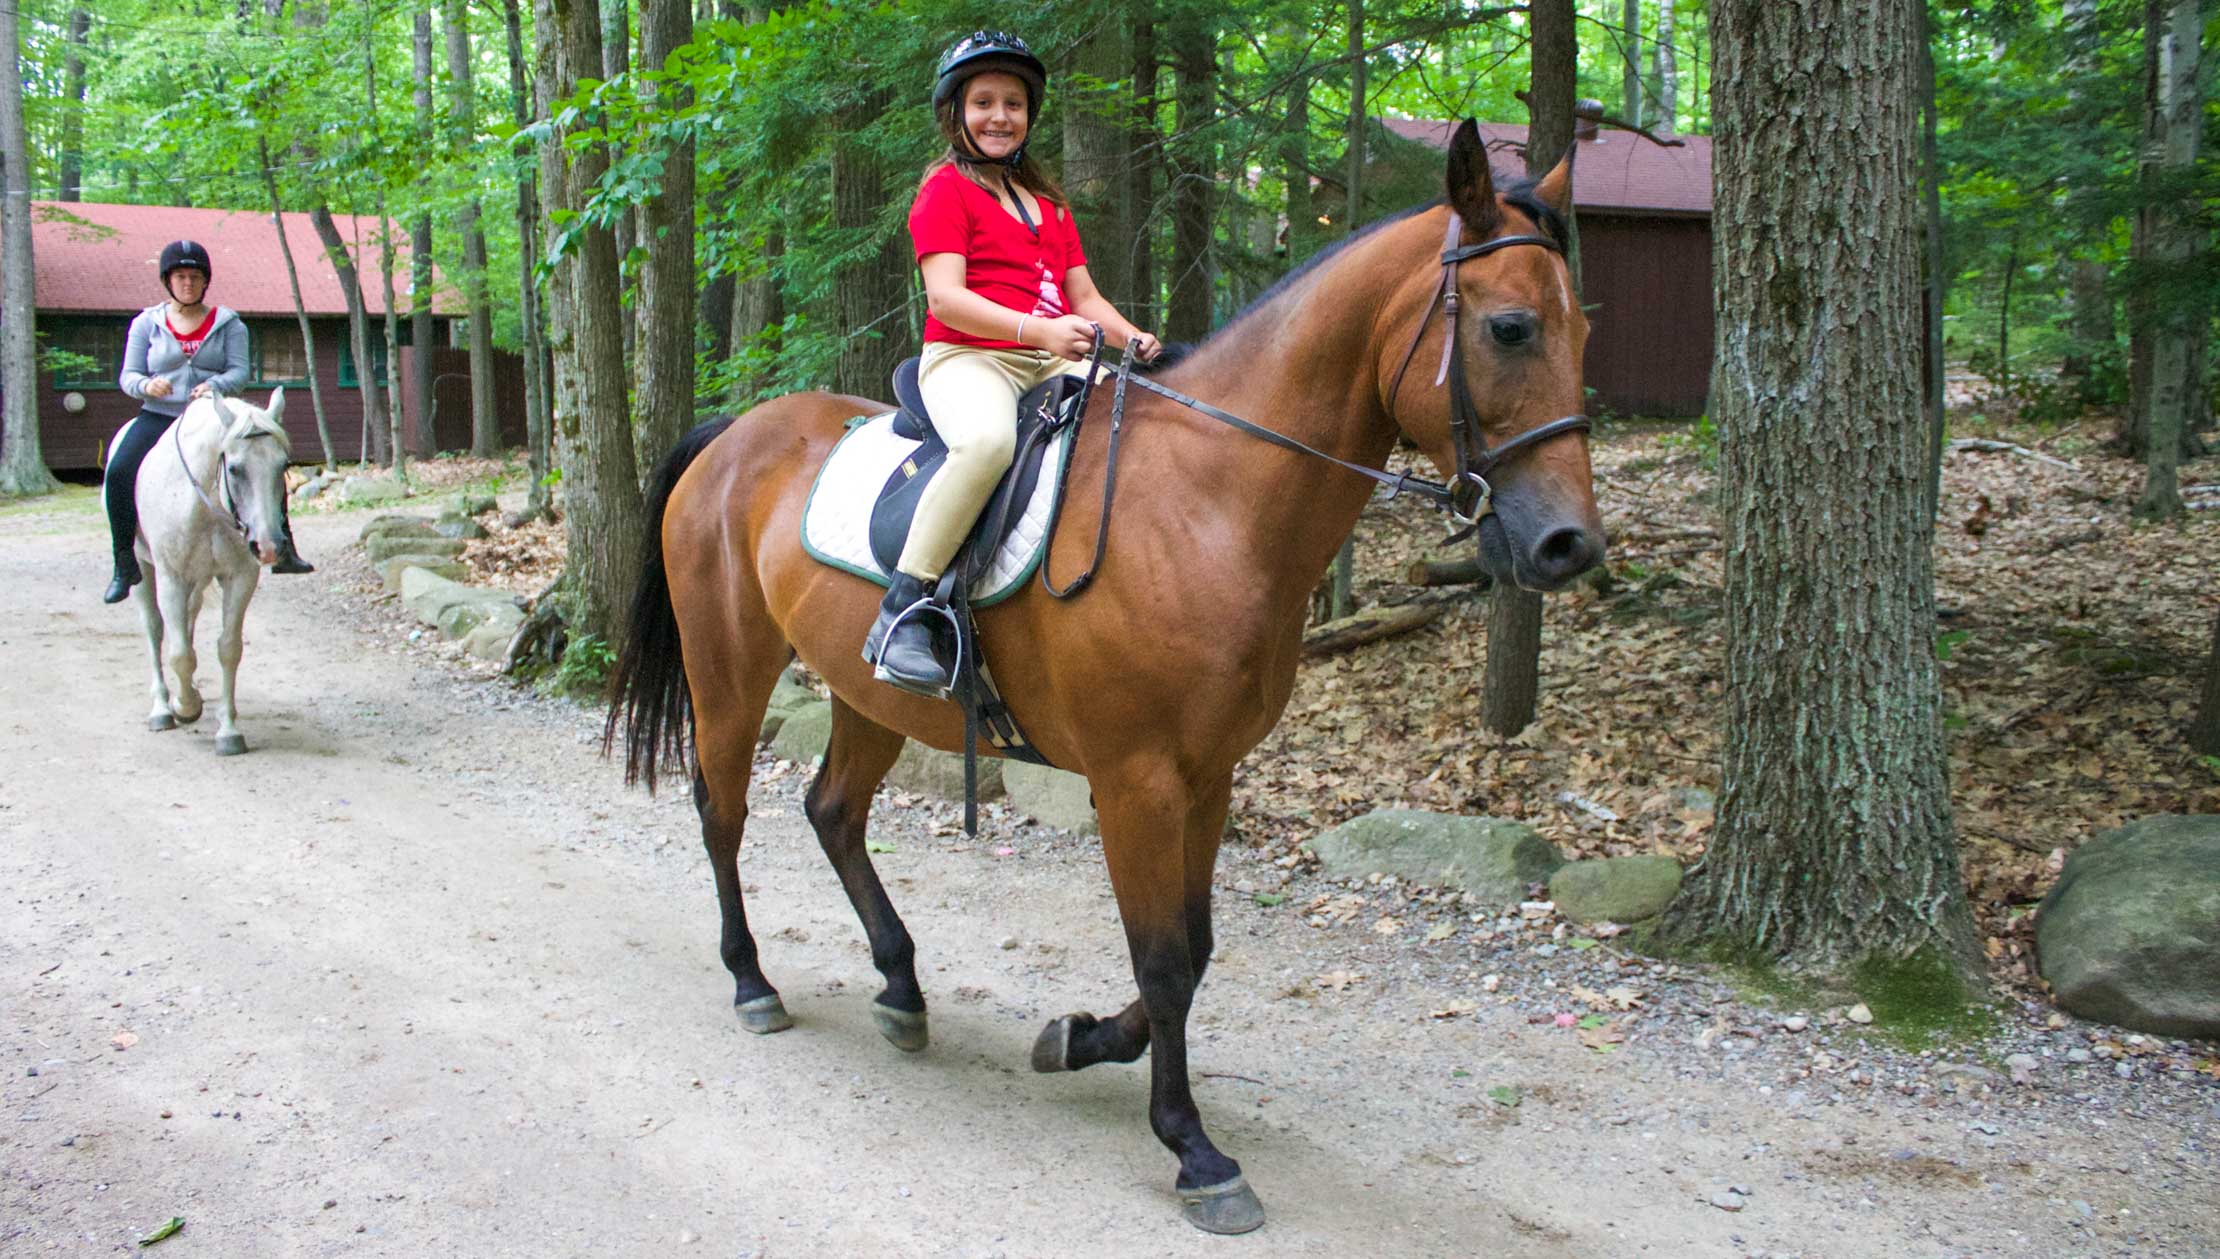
[(924, 609)]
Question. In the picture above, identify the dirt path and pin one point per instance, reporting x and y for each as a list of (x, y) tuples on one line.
[(417, 976)]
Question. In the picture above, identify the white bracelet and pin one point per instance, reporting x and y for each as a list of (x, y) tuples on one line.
[(1020, 337)]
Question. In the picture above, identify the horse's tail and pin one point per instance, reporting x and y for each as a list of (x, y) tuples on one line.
[(647, 689)]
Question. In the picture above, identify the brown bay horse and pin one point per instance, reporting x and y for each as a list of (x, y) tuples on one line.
[(1182, 654)]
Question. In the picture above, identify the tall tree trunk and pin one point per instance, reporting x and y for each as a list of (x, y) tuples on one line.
[(72, 160), (2174, 249), (358, 329), (420, 249), (531, 339), (1301, 211), (1148, 150), (1187, 316), (1835, 843), (758, 307), (1341, 601), (1934, 278), (1668, 71), (300, 307), (665, 395), (2204, 731), (1630, 69), (616, 61), (2085, 274), (1097, 155), (392, 330), (22, 464), (2142, 303), (1512, 683), (869, 294), (462, 108), (601, 485)]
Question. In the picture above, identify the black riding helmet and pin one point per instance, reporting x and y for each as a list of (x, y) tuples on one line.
[(181, 254), (980, 52)]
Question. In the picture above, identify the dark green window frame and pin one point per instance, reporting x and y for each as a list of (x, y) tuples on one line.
[(98, 339), (257, 378), (347, 377)]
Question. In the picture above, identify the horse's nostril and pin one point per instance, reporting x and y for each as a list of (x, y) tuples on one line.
[(1566, 553)]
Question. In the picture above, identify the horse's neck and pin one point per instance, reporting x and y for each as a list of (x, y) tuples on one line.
[(196, 442)]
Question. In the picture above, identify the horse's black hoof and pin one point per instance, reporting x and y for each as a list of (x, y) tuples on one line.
[(764, 1015), (160, 722), (231, 745), (1052, 1051), (1227, 1208), (902, 1029)]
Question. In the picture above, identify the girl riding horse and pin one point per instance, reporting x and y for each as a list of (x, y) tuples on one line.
[(1011, 305)]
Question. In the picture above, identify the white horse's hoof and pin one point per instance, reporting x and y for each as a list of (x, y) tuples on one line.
[(231, 744), (160, 722), (185, 718)]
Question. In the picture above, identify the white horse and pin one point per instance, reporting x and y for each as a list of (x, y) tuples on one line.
[(211, 508)]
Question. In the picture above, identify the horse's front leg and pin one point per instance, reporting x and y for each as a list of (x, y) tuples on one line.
[(150, 616), (178, 605), (1147, 820), (238, 588)]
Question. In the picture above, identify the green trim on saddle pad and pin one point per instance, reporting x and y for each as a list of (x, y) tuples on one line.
[(1015, 584)]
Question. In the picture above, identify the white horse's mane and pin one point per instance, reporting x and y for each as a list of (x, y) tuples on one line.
[(237, 419)]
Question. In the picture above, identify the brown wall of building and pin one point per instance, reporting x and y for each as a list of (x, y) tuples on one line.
[(1648, 280), (449, 415)]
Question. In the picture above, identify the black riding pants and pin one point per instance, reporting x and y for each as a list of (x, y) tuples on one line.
[(119, 485)]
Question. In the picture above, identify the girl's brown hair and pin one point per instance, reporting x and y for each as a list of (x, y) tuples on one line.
[(1028, 173)]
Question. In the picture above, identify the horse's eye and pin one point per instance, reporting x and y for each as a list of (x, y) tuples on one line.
[(1511, 329)]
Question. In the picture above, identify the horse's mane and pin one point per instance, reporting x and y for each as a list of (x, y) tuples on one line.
[(259, 423)]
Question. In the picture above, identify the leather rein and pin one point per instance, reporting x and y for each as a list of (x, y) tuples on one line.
[(1467, 497), (228, 513)]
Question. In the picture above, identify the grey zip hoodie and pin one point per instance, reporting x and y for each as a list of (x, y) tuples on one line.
[(151, 350)]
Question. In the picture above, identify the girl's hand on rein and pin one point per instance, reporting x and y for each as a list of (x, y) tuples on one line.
[(1066, 336), (158, 388), (1145, 345)]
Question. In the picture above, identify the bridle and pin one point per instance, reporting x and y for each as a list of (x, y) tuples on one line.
[(1468, 496), (228, 513)]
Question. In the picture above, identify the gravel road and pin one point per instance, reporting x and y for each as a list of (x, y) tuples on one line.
[(419, 976)]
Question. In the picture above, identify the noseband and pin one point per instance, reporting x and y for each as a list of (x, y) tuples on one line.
[(1468, 496)]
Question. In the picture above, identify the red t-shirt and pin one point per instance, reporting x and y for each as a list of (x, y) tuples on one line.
[(190, 341), (1003, 262)]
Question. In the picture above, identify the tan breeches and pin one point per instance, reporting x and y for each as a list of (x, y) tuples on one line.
[(973, 395)]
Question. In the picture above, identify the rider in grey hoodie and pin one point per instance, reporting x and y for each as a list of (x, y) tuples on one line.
[(158, 370)]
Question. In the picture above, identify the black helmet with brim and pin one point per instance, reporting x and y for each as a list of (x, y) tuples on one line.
[(982, 51), (179, 254)]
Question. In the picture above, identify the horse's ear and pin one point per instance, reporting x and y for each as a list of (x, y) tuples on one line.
[(276, 409), (1471, 184), (224, 414), (1555, 188)]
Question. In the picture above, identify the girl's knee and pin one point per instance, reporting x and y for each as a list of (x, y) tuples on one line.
[(988, 447)]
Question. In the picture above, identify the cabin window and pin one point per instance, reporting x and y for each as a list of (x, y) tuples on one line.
[(279, 354), (347, 377), (91, 352)]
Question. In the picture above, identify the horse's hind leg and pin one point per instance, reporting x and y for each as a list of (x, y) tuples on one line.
[(839, 804), (237, 590), (724, 746), (150, 615)]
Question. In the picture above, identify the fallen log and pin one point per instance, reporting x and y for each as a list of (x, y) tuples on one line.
[(1369, 625), (2009, 448), (1461, 571)]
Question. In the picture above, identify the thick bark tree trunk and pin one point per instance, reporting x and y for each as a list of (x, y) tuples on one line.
[(1933, 281), (616, 60), (420, 251), (1187, 316), (300, 307), (392, 330), (1341, 598), (1097, 154), (665, 393), (1835, 843), (358, 329), (2204, 731), (462, 108), (22, 463), (72, 158), (601, 483), (1668, 71), (532, 342), (548, 83), (2173, 249), (1630, 71), (869, 294), (1303, 235), (1512, 683)]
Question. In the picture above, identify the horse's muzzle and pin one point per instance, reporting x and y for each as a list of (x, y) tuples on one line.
[(1548, 561)]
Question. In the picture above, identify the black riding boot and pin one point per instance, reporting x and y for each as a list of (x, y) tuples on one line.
[(905, 656), (289, 560), (127, 576)]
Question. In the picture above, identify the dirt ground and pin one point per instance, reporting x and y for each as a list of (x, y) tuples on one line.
[(418, 975)]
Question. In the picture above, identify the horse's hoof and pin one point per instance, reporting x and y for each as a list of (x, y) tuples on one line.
[(1052, 1052), (231, 745), (902, 1029), (1228, 1208), (185, 718), (160, 722), (764, 1015)]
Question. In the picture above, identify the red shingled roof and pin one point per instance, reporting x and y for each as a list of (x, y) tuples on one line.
[(1617, 170), (101, 259)]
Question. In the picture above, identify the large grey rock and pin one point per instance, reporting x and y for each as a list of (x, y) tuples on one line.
[(469, 504), (386, 546), (932, 772), (394, 570), (1492, 858), (788, 698), (453, 526), (390, 524), (805, 732), (490, 640), (314, 486), (357, 490), (437, 599), (2131, 932), (1615, 889), (1052, 797)]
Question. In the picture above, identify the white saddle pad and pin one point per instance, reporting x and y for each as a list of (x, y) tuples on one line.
[(836, 525)]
